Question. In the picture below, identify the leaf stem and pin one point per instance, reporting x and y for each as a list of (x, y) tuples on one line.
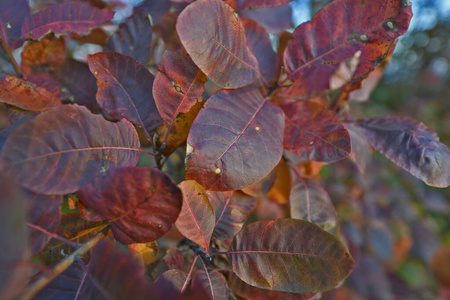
[(39, 284), (189, 274), (53, 235), (11, 58), (149, 153)]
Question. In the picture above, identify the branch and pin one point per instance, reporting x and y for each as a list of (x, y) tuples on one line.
[(11, 58), (39, 284)]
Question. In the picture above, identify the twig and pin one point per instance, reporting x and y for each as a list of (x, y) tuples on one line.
[(39, 284), (11, 58), (189, 274), (55, 236)]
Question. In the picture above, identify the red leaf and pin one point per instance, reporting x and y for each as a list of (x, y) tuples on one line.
[(25, 94), (216, 43), (13, 271), (12, 14), (134, 37), (340, 30), (232, 210), (310, 202), (45, 212), (125, 89), (410, 145), (152, 203), (212, 283), (258, 42), (246, 291), (196, 220), (77, 78), (78, 17), (314, 132), (252, 4), (289, 255), (309, 87), (230, 137), (61, 149), (107, 269), (178, 86)]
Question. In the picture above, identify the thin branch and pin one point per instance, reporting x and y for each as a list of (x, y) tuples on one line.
[(53, 235), (11, 58), (39, 284), (81, 285), (189, 274)]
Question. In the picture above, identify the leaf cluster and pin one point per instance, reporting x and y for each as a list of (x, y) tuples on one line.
[(178, 139)]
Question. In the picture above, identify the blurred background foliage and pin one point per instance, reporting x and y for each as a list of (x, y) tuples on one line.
[(393, 223)]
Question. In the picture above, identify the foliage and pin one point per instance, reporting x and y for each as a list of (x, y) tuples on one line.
[(186, 127)]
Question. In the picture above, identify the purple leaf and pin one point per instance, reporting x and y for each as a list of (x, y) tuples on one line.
[(310, 202), (125, 89), (290, 256), (12, 14), (43, 211), (258, 42), (63, 148), (212, 283), (231, 136), (216, 43), (410, 145), (78, 17), (133, 38)]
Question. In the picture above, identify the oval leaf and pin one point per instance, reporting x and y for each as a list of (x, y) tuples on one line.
[(12, 14), (290, 256), (216, 43), (212, 283), (134, 37), (258, 42), (178, 86), (196, 220), (411, 146), (314, 132), (310, 202), (61, 149), (230, 137), (338, 31), (125, 89), (78, 17), (80, 82), (152, 203), (232, 210), (246, 291), (25, 95)]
